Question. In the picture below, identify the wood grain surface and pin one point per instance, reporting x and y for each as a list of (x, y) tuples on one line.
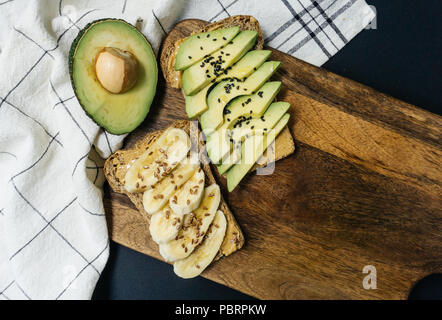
[(363, 188)]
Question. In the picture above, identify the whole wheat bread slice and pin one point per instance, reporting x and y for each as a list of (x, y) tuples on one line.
[(116, 166), (284, 145)]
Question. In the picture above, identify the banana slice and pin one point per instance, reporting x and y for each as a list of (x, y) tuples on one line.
[(189, 196), (194, 227), (158, 160), (165, 225), (204, 254), (156, 197)]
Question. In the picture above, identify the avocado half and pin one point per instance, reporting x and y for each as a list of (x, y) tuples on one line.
[(116, 113)]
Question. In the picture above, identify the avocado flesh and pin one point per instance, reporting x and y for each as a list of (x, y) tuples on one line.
[(200, 74), (116, 113), (197, 104), (243, 107), (251, 151), (195, 47), (254, 127), (260, 125), (228, 89)]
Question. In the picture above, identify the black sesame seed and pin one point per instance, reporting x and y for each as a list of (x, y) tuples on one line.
[(265, 129), (208, 35), (190, 57), (208, 76), (251, 111), (198, 37), (252, 127), (254, 69), (227, 54), (228, 119), (219, 100), (214, 39), (260, 94), (201, 48), (245, 89), (224, 38)]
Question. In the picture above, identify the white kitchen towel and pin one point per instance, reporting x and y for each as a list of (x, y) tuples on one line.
[(53, 236)]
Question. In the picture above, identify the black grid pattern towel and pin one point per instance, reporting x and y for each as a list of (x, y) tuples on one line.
[(53, 236)]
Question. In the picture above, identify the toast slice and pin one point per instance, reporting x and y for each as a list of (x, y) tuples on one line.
[(115, 169), (284, 144)]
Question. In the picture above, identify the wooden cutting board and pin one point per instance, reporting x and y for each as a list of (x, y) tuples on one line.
[(363, 188)]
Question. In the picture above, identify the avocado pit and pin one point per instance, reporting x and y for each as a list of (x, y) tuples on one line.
[(116, 70)]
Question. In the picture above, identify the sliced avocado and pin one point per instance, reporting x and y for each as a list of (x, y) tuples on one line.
[(117, 113), (260, 125), (197, 104), (195, 47), (251, 151), (255, 126), (228, 89), (199, 75), (240, 110)]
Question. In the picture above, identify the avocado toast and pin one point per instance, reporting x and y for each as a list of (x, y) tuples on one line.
[(227, 89)]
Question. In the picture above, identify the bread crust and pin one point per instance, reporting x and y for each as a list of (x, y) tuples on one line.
[(116, 166)]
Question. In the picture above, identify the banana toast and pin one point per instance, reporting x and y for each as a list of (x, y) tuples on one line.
[(117, 164)]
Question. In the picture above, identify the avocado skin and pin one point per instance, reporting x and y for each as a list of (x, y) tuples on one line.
[(72, 50)]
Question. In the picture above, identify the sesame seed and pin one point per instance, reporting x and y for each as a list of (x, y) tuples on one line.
[(189, 57), (208, 35), (201, 48)]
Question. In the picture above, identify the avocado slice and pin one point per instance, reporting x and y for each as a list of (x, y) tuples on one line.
[(240, 110), (260, 125), (252, 127), (228, 89), (117, 113), (197, 104), (200, 74), (195, 47), (251, 151)]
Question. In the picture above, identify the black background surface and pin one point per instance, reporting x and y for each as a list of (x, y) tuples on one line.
[(401, 58)]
